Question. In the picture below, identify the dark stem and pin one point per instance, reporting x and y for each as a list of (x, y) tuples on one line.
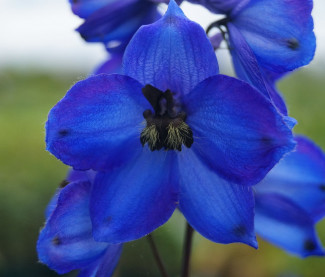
[(157, 257), (187, 251)]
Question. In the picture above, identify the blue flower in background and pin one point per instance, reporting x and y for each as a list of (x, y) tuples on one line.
[(66, 242), (170, 133), (291, 200), (266, 39)]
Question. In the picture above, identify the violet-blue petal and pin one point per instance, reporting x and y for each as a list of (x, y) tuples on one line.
[(104, 266), (84, 8), (98, 123), (216, 40), (300, 176), (248, 69), (66, 242), (131, 202), (118, 21), (279, 32), (173, 53), (220, 211), (237, 132), (112, 65), (286, 225), (221, 6)]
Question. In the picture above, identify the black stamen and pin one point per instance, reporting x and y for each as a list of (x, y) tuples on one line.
[(64, 183), (322, 187), (153, 95), (309, 245), (56, 241)]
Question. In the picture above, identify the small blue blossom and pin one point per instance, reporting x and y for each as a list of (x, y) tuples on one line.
[(291, 200), (266, 39), (66, 242), (170, 133)]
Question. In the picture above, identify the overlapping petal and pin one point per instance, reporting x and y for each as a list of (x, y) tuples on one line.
[(279, 32), (131, 202), (97, 124), (248, 69), (300, 177), (285, 224), (220, 211), (237, 132), (66, 242), (173, 53), (118, 21), (84, 8)]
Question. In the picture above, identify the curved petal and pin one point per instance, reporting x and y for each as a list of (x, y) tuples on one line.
[(220, 211), (97, 124), (237, 132), (221, 6), (279, 32), (84, 8), (118, 21), (300, 177), (105, 266), (66, 242), (131, 202), (286, 225), (248, 69), (173, 53)]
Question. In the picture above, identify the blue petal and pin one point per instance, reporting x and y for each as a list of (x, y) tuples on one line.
[(84, 8), (118, 21), (66, 242), (279, 32), (300, 176), (237, 132), (221, 6), (173, 53), (104, 266), (286, 225), (220, 211), (129, 203), (97, 124), (248, 69), (113, 65)]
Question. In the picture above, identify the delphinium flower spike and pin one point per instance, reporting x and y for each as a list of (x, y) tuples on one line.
[(66, 242), (170, 133), (291, 200)]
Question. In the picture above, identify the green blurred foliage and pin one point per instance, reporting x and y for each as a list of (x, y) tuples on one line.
[(29, 176)]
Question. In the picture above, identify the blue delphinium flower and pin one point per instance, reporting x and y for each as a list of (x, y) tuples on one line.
[(170, 133), (291, 200), (66, 242), (266, 39)]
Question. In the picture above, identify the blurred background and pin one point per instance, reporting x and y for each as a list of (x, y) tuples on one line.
[(41, 56)]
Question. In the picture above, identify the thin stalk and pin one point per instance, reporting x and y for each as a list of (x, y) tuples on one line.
[(187, 251), (157, 257)]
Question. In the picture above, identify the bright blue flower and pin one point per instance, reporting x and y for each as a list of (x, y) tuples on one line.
[(66, 242), (291, 199), (171, 97)]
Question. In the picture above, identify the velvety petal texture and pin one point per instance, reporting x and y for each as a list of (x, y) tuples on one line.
[(97, 124), (300, 177), (237, 132), (131, 202), (280, 32), (248, 69), (220, 211), (173, 53), (286, 225), (66, 241), (118, 21)]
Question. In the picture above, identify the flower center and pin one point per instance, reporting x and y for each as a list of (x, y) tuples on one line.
[(166, 127)]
